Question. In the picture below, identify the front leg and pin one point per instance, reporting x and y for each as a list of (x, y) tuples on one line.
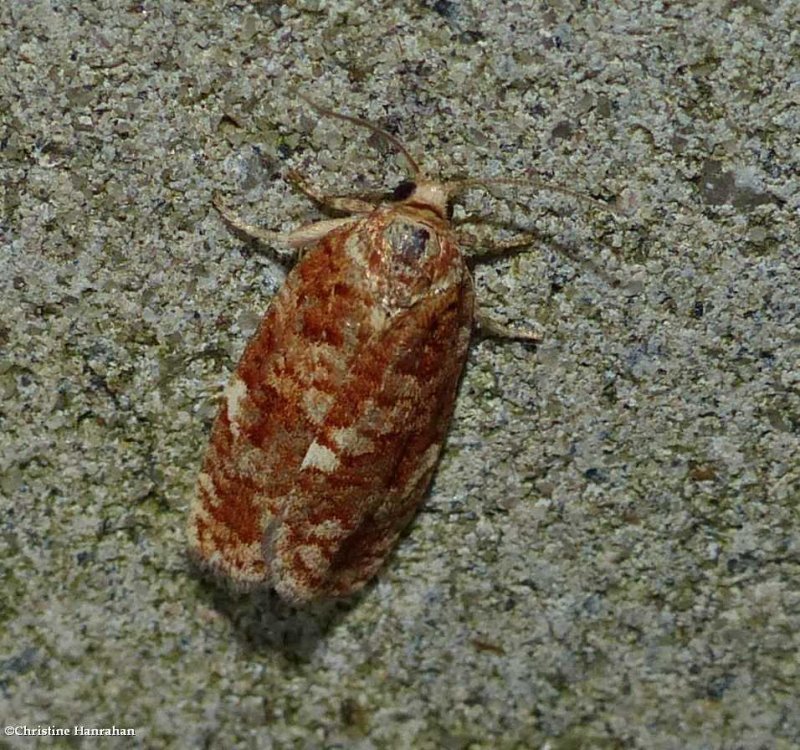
[(498, 247), (299, 238), (487, 326), (342, 203)]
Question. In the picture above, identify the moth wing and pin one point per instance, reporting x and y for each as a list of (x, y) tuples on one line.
[(283, 387), (367, 470)]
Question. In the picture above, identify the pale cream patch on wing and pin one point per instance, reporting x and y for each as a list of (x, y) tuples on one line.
[(254, 463), (377, 318), (248, 561), (312, 557), (317, 404), (329, 529), (204, 483), (355, 248), (235, 393), (320, 457), (352, 441)]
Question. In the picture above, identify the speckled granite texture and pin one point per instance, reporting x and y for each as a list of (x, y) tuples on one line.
[(609, 556)]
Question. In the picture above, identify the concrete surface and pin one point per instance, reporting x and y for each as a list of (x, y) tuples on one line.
[(609, 556)]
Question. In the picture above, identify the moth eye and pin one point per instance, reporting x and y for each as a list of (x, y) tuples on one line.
[(404, 190), (409, 242)]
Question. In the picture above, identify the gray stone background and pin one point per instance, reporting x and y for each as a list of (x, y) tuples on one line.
[(609, 555)]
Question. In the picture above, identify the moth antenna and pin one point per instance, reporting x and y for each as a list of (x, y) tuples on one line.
[(458, 186), (417, 172)]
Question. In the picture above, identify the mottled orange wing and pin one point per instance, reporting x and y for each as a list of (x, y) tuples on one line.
[(332, 423), (367, 470), (283, 387)]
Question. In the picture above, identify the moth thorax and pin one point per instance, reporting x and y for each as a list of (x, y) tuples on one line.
[(410, 243)]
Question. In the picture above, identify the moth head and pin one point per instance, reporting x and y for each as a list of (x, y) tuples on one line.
[(426, 194)]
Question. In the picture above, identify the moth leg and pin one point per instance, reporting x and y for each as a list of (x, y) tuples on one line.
[(251, 231), (488, 326), (298, 238), (343, 203), (499, 247)]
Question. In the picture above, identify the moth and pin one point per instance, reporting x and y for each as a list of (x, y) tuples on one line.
[(330, 429)]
